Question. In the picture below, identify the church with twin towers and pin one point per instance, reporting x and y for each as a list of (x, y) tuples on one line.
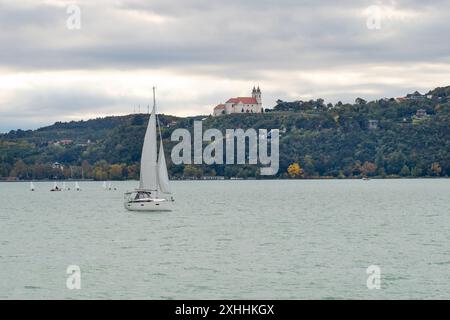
[(251, 104)]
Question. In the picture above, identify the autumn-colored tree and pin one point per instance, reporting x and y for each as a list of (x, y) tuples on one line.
[(294, 171), (368, 168), (133, 172), (100, 174), (116, 172), (436, 169)]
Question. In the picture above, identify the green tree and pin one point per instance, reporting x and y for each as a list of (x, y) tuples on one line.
[(20, 170), (192, 171), (416, 172), (405, 171), (308, 166)]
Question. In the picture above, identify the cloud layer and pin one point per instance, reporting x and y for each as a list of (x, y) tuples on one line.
[(200, 53)]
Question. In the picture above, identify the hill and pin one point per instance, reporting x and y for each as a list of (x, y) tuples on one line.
[(407, 136)]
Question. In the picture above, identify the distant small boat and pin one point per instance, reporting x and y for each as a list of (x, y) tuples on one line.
[(109, 186), (32, 186), (77, 186), (55, 187)]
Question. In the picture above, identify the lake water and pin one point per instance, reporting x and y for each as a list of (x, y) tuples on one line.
[(285, 239)]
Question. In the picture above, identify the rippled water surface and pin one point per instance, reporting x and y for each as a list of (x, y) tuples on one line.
[(229, 239)]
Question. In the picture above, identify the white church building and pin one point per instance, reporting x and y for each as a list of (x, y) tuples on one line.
[(251, 104)]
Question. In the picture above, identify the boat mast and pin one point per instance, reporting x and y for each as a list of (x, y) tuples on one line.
[(154, 98)]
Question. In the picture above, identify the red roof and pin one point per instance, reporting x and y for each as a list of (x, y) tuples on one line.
[(219, 106), (244, 100)]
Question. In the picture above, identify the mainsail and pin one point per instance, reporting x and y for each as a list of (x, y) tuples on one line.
[(148, 178), (163, 177)]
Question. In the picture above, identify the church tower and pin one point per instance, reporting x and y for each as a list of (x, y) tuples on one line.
[(256, 93)]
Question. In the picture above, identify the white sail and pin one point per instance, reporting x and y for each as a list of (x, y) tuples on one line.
[(104, 185), (77, 186), (154, 176), (31, 186), (163, 177), (148, 177)]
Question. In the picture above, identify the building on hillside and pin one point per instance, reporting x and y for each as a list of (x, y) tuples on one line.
[(415, 96), (373, 124), (64, 142), (420, 115), (57, 165), (251, 104)]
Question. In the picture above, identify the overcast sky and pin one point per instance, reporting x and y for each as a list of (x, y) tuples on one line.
[(200, 53)]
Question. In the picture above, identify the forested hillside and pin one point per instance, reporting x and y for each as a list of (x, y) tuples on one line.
[(408, 137)]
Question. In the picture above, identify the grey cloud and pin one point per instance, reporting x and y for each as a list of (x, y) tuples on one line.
[(277, 34), (235, 40)]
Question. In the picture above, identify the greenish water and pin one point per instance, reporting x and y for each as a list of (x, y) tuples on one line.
[(229, 239)]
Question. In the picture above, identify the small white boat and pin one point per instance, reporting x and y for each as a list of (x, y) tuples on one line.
[(153, 193), (32, 186), (77, 186), (109, 186)]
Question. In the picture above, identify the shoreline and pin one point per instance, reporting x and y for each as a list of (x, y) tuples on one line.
[(236, 179)]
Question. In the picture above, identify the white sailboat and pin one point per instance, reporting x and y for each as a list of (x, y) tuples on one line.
[(32, 186), (77, 186), (55, 187), (153, 193)]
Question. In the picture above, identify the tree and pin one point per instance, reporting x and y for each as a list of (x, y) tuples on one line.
[(133, 172), (192, 171), (357, 168), (405, 171), (416, 172), (20, 170), (308, 165), (87, 169), (100, 174), (4, 169), (116, 172), (368, 168), (294, 170), (436, 169), (395, 162)]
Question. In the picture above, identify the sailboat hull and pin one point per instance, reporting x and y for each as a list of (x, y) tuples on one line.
[(150, 205)]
